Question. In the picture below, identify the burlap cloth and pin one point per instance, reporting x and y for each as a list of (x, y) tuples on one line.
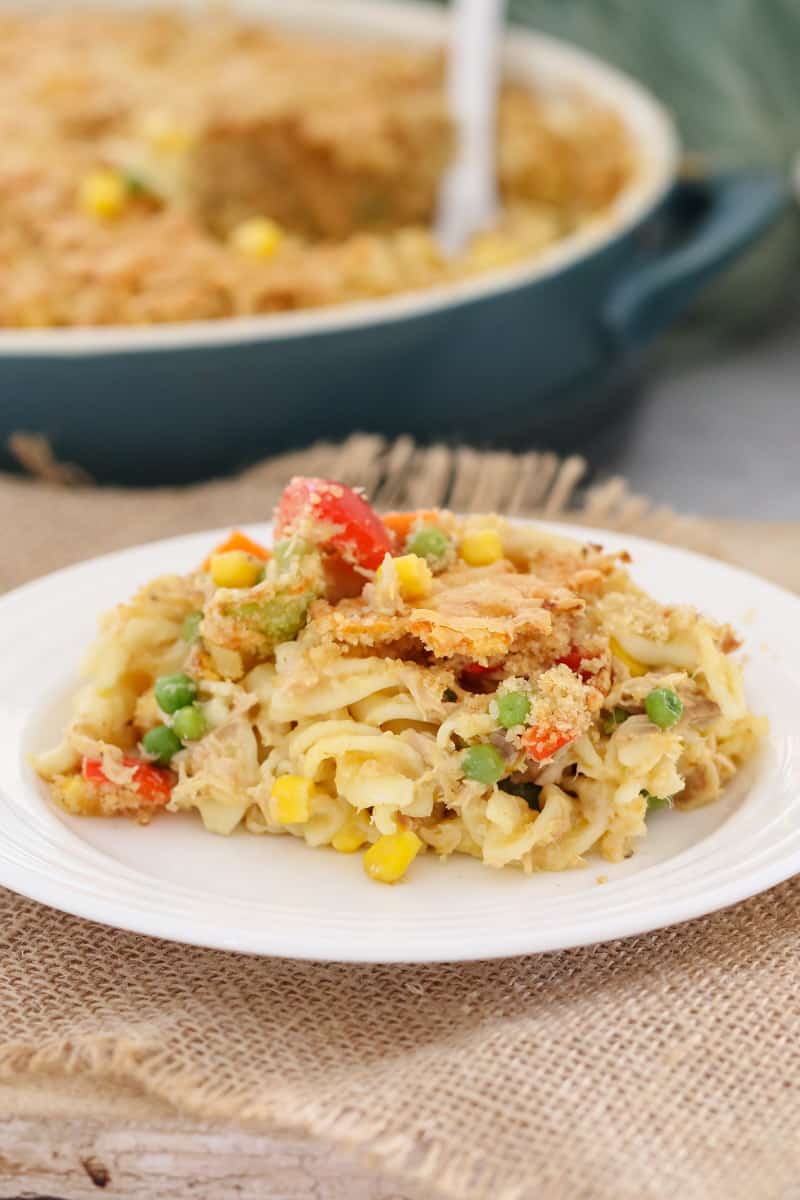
[(661, 1066)]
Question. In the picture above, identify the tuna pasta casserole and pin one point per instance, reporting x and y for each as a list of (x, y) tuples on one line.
[(414, 683), (160, 168)]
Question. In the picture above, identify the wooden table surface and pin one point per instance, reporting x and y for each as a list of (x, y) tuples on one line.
[(133, 1147)]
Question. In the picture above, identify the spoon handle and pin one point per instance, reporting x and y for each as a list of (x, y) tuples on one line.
[(468, 196)]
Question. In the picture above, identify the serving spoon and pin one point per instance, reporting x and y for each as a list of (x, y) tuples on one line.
[(468, 193)]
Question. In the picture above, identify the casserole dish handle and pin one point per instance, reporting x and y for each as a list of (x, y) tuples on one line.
[(707, 222)]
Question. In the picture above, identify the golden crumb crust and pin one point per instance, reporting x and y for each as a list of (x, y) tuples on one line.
[(138, 145), (514, 696)]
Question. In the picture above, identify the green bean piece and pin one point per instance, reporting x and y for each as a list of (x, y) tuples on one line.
[(278, 619)]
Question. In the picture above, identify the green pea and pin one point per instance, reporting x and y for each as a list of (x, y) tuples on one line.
[(136, 183), (512, 709), (449, 695), (161, 743), (529, 792), (663, 707), (189, 723), (483, 763), (287, 551), (279, 619), (174, 692), (429, 543), (615, 718), (191, 626)]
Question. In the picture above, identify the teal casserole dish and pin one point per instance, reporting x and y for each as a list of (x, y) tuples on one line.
[(532, 353)]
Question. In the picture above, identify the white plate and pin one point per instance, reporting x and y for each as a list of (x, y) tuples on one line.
[(274, 895)]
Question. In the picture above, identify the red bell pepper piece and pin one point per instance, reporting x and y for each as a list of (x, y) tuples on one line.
[(542, 743), (573, 660), (152, 784), (360, 537)]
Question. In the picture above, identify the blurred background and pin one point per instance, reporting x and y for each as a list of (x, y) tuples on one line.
[(696, 404), (718, 424)]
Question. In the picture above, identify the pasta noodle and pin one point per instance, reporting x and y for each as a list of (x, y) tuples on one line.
[(501, 693)]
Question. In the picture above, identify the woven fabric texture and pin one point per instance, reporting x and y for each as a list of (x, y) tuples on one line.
[(659, 1066), (53, 519)]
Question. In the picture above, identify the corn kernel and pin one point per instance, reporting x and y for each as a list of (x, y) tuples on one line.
[(414, 576), (75, 795), (391, 856), (349, 838), (257, 238), (480, 547), (103, 194), (492, 250), (165, 135), (235, 569), (634, 666), (292, 796)]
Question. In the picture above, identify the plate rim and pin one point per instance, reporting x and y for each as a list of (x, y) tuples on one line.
[(658, 914)]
